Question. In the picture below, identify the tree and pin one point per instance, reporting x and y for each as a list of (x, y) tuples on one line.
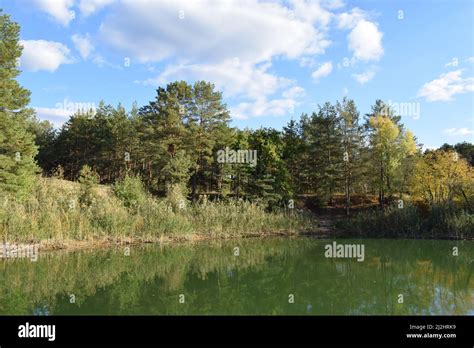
[(389, 143), (352, 139), (17, 147), (293, 150), (443, 176), (207, 126), (465, 149), (45, 137), (88, 179), (325, 151), (162, 130)]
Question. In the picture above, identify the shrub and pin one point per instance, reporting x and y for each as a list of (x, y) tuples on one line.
[(439, 221), (89, 180), (131, 192)]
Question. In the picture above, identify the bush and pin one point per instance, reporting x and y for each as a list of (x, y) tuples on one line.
[(439, 221), (89, 180), (447, 220), (131, 192)]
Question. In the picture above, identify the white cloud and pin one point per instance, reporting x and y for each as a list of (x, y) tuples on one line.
[(232, 77), (43, 55), (251, 30), (365, 41), (311, 11), (264, 107), (365, 76), (294, 92), (323, 70), (88, 7), (365, 38), (333, 4), (252, 83), (59, 10), (57, 116), (83, 44), (205, 39), (459, 131), (309, 62), (446, 86), (348, 20), (345, 91)]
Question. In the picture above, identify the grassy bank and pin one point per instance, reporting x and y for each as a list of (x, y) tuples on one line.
[(60, 213), (437, 222)]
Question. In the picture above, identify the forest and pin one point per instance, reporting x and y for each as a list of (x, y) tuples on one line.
[(369, 166)]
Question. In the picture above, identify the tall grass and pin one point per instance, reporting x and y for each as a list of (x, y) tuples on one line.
[(55, 213), (440, 221)]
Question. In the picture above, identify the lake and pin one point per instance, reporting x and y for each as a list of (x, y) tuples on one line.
[(273, 276)]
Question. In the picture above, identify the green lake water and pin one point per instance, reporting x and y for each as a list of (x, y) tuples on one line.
[(274, 276)]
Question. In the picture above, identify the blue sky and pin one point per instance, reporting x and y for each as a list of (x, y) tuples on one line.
[(272, 60)]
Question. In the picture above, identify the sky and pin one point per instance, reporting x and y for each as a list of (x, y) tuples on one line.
[(272, 60)]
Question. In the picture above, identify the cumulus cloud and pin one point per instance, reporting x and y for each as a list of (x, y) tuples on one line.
[(57, 116), (264, 107), (214, 35), (231, 43), (459, 131), (89, 7), (365, 38), (348, 20), (83, 44), (446, 86), (59, 10), (43, 55), (323, 70), (365, 76), (239, 80), (294, 92), (365, 41), (231, 76), (251, 30)]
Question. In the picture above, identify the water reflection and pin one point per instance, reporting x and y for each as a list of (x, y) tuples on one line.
[(258, 281)]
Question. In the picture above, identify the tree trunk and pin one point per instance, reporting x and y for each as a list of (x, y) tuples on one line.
[(381, 191)]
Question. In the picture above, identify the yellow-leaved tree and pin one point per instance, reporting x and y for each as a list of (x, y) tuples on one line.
[(443, 176)]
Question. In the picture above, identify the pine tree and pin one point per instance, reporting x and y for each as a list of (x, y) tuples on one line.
[(352, 138), (207, 129), (326, 152), (17, 147), (293, 150), (163, 132)]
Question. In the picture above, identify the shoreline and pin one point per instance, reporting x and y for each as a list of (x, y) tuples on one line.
[(71, 245)]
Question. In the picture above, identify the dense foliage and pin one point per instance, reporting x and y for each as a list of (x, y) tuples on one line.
[(181, 146)]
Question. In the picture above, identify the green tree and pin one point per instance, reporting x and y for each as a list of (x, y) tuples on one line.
[(293, 154), (325, 151), (163, 131), (390, 143), (17, 146), (443, 176), (465, 149), (352, 138), (88, 179), (207, 126)]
